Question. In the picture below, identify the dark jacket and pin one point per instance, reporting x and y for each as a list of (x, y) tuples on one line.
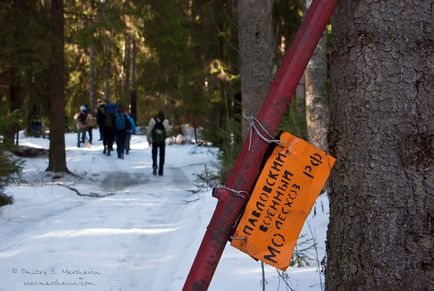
[(100, 114)]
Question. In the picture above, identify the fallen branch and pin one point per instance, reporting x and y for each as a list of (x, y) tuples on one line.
[(29, 152), (91, 194)]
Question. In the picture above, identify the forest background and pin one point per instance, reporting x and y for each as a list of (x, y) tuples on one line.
[(182, 57), (208, 62), (178, 56)]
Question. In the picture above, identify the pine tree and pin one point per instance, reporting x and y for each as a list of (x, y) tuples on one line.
[(380, 235), (57, 155)]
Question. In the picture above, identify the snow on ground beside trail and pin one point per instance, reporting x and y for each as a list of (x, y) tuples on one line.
[(143, 235)]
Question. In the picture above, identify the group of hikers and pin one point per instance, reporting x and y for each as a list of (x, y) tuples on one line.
[(115, 124)]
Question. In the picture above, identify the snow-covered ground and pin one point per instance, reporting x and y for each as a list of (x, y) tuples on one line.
[(142, 234)]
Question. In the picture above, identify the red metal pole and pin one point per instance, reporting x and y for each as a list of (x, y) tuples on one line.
[(247, 166)]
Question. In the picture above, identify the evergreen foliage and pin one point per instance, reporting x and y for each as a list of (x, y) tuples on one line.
[(186, 60), (294, 120), (9, 167)]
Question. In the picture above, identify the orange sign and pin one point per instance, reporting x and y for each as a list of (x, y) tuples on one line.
[(282, 198)]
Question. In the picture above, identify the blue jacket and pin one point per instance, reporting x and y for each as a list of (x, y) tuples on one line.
[(133, 124)]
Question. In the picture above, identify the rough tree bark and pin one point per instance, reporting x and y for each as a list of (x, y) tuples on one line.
[(133, 84), (381, 234), (106, 85), (256, 47), (107, 52), (317, 112), (15, 102), (126, 68), (57, 156), (91, 83)]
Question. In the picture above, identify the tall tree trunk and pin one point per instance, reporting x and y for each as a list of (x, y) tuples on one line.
[(118, 82), (256, 47), (57, 156), (91, 85), (214, 110), (126, 68), (15, 82), (133, 89), (106, 82), (106, 73), (15, 102), (381, 233), (317, 112)]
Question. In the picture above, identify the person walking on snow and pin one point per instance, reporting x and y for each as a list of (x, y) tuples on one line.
[(102, 107), (130, 132), (82, 126), (108, 131), (156, 134), (121, 125)]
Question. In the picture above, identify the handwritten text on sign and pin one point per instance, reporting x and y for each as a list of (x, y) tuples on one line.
[(282, 198)]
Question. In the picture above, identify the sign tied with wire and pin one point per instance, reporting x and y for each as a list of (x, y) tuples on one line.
[(283, 196), (256, 126)]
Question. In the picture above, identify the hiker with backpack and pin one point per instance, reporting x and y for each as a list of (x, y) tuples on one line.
[(82, 126), (121, 125), (91, 122), (108, 132), (156, 134)]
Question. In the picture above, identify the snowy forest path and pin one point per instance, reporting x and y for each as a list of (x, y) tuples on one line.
[(138, 238)]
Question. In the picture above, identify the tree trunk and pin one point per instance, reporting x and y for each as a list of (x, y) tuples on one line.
[(381, 234), (57, 156), (317, 112), (91, 85), (107, 68), (15, 103), (133, 89), (126, 68), (15, 82), (256, 54), (106, 82)]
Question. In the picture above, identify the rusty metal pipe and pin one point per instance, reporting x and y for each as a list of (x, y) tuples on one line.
[(247, 165)]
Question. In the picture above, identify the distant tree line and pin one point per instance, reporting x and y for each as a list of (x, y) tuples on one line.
[(176, 55)]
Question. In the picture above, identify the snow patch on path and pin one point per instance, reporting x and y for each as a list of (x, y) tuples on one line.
[(144, 236)]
